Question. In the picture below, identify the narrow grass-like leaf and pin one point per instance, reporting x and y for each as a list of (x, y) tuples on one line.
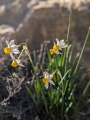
[(84, 76), (78, 63), (64, 76), (83, 94), (88, 101), (86, 88), (44, 100), (31, 94), (69, 26)]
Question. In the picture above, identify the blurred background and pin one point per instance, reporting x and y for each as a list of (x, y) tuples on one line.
[(35, 21)]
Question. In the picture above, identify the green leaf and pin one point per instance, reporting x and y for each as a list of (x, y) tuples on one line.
[(31, 94), (86, 88), (83, 48), (64, 76)]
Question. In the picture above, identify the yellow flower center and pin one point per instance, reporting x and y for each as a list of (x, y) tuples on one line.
[(7, 50), (51, 51), (45, 80), (14, 64), (55, 47)]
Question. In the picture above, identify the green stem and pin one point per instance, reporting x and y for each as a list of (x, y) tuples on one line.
[(69, 26), (21, 54), (21, 44), (65, 57), (82, 51), (67, 39)]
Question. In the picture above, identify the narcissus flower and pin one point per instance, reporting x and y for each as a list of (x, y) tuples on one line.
[(57, 46), (16, 62), (60, 44), (47, 79), (11, 48)]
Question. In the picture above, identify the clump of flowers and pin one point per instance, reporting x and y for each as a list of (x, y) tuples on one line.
[(60, 77), (12, 49)]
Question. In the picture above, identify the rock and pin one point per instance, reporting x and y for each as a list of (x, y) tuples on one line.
[(6, 2), (13, 12), (6, 33), (4, 29), (49, 22), (37, 20), (46, 23)]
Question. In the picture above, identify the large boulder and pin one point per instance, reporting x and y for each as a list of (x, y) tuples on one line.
[(37, 20), (47, 23)]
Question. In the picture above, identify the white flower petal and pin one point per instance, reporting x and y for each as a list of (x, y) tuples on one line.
[(63, 46), (12, 42), (57, 41), (20, 64), (51, 82), (54, 43), (46, 85), (13, 58), (50, 76), (7, 43), (62, 41), (15, 52), (18, 61), (14, 46), (57, 52), (46, 74)]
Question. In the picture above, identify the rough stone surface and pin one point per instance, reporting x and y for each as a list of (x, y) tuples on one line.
[(6, 29), (14, 12), (34, 21)]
